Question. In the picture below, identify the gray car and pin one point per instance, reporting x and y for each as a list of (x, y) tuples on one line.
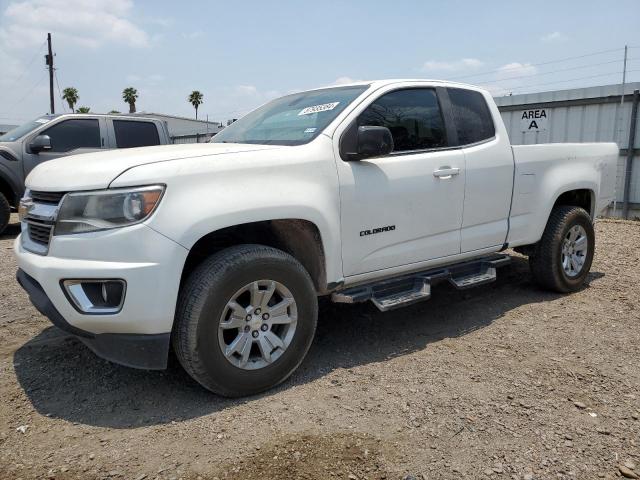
[(53, 136)]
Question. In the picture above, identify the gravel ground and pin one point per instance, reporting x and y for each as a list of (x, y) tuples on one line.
[(503, 381)]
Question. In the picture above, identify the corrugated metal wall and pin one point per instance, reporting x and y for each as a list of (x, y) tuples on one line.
[(580, 115), (197, 138)]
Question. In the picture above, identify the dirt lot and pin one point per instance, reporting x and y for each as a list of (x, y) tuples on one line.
[(504, 381)]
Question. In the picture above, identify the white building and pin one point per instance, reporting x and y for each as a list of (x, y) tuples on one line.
[(593, 114), (186, 130)]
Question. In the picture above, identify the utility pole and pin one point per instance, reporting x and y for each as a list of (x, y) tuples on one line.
[(619, 120), (624, 80), (630, 150), (49, 63)]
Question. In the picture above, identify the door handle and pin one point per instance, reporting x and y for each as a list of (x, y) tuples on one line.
[(446, 172)]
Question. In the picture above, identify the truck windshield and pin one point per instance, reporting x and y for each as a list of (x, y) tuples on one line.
[(24, 129), (292, 120)]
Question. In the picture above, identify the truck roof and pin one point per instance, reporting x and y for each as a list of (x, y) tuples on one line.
[(91, 114), (391, 81)]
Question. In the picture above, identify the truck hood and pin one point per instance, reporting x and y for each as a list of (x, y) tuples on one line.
[(97, 170), (10, 148)]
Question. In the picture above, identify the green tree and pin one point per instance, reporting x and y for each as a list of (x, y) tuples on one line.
[(70, 94), (195, 99), (83, 110), (114, 111), (130, 95)]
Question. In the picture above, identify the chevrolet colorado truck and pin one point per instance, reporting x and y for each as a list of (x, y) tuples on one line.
[(54, 136), (370, 191)]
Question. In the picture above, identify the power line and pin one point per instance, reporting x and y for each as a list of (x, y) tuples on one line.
[(11, 109), (555, 71), (55, 72), (570, 80), (26, 69), (504, 69)]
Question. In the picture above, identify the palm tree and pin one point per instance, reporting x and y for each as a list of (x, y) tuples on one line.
[(83, 109), (130, 95), (70, 94), (195, 99)]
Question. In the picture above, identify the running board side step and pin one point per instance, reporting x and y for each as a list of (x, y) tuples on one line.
[(409, 289)]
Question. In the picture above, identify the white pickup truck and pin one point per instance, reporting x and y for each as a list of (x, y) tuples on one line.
[(370, 191)]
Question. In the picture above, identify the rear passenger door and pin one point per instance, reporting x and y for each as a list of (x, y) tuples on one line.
[(134, 133), (489, 169)]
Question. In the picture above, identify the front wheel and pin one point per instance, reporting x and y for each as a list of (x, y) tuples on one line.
[(562, 259), (245, 320)]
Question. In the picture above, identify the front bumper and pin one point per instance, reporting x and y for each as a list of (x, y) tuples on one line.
[(132, 350), (149, 263)]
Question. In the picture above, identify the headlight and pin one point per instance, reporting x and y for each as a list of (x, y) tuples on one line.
[(106, 209), (25, 204)]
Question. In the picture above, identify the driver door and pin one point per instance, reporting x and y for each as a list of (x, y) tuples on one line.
[(70, 136), (406, 207)]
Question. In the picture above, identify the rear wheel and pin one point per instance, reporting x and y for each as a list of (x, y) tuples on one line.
[(562, 259), (5, 212), (245, 320)]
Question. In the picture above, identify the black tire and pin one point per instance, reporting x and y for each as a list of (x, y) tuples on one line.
[(202, 301), (5, 212), (545, 261)]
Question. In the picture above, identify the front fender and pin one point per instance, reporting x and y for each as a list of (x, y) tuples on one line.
[(205, 195)]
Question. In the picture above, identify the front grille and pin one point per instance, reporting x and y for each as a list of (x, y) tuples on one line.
[(39, 222), (39, 232), (51, 198)]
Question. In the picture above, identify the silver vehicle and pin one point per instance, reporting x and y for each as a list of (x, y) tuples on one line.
[(53, 136)]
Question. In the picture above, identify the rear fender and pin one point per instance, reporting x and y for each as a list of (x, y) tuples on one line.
[(543, 173)]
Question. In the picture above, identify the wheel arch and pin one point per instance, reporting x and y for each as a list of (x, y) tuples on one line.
[(578, 197), (9, 188), (298, 237)]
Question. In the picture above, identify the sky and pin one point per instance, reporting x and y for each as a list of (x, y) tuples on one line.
[(242, 53)]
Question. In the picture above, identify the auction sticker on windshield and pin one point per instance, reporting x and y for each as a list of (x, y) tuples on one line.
[(318, 108)]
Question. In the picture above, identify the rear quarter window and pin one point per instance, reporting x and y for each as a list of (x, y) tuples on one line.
[(131, 134), (471, 116)]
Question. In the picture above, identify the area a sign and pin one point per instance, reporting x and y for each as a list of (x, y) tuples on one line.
[(534, 120)]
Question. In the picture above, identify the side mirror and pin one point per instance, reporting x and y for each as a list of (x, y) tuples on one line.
[(374, 141), (41, 143)]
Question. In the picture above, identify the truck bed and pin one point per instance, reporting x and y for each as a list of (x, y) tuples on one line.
[(543, 172)]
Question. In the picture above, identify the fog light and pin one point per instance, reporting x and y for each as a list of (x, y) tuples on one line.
[(96, 296)]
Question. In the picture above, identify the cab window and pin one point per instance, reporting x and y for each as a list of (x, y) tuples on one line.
[(73, 134), (471, 116), (413, 116)]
